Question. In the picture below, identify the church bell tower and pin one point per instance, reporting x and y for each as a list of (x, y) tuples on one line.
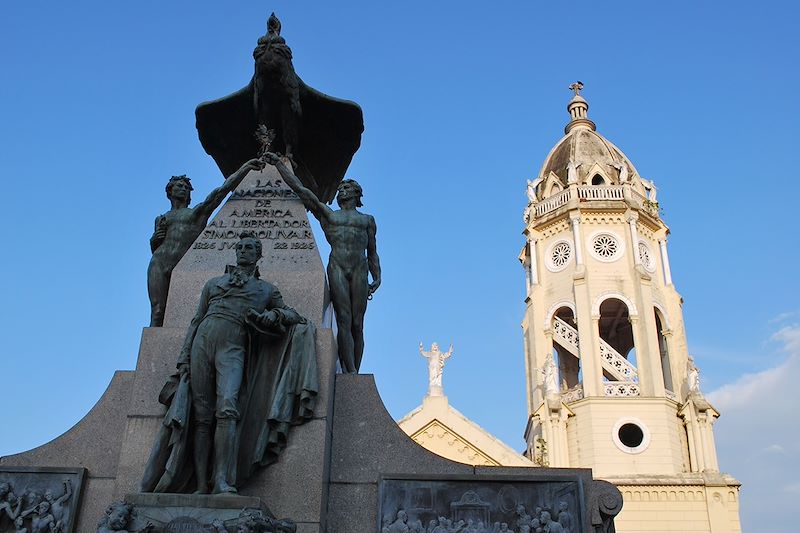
[(610, 383)]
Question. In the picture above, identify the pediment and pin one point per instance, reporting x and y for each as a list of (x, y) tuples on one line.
[(445, 442)]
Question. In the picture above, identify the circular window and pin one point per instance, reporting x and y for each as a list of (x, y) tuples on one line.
[(646, 257), (558, 256), (606, 247), (631, 435)]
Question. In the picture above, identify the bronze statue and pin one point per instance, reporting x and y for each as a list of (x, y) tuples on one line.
[(354, 253), (247, 372), (319, 134), (177, 229)]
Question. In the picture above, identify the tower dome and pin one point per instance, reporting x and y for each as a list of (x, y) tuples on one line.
[(583, 156)]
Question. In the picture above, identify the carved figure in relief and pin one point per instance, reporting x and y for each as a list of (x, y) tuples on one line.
[(251, 362), (177, 229), (8, 501), (19, 524), (43, 519), (692, 376), (400, 524), (565, 517), (524, 520), (549, 525), (118, 518), (256, 521), (57, 504), (436, 359), (354, 255)]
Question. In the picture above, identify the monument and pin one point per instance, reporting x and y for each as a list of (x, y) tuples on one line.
[(235, 418)]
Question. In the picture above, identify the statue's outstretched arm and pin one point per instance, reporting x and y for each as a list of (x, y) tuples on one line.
[(215, 197), (318, 209), (67, 492)]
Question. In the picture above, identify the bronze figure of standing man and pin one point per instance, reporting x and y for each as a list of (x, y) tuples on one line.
[(351, 235)]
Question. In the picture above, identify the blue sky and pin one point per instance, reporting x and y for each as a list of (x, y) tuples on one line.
[(462, 101)]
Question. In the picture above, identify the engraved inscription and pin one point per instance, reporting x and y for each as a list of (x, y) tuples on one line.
[(268, 220)]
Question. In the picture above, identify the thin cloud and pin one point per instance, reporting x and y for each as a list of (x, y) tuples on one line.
[(758, 434)]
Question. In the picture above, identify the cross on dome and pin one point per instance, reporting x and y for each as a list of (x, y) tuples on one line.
[(578, 109)]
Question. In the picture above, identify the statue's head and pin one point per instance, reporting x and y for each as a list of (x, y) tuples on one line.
[(33, 497), (43, 508), (546, 517), (180, 188), (248, 249), (349, 189), (119, 514), (562, 506), (273, 24), (402, 516), (5, 488)]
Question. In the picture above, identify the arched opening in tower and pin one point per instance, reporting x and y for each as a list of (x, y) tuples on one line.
[(598, 180), (565, 350), (616, 330), (666, 369)]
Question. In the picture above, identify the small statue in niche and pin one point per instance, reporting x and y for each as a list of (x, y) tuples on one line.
[(177, 229), (692, 376), (572, 171), (623, 170), (550, 376), (354, 254)]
